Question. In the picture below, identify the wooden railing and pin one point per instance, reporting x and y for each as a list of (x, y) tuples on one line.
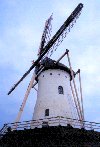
[(52, 121)]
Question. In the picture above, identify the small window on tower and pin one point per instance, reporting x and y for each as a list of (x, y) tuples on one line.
[(47, 112), (60, 90)]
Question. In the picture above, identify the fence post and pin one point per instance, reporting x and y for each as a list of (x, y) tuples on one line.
[(91, 126), (59, 120)]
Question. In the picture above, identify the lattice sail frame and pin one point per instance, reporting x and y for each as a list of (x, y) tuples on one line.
[(63, 35), (46, 36)]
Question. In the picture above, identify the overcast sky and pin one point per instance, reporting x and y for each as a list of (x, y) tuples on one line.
[(21, 26)]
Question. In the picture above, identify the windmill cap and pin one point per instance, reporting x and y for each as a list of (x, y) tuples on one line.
[(51, 64)]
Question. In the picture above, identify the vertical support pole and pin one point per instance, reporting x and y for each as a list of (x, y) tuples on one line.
[(24, 100), (74, 84), (75, 100), (81, 94)]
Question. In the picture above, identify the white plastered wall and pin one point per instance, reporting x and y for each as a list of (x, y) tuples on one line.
[(48, 96)]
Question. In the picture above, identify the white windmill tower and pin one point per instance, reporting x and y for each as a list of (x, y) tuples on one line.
[(55, 90)]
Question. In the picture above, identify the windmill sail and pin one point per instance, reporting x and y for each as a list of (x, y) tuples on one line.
[(74, 15), (46, 35)]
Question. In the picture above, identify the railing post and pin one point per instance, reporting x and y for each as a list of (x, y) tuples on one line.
[(26, 125), (37, 124), (2, 131), (91, 126), (59, 120)]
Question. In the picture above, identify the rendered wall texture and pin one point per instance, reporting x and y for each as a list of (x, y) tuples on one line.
[(49, 98)]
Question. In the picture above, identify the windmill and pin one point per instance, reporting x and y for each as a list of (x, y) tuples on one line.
[(44, 64)]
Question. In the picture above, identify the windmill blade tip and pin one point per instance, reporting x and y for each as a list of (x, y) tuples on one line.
[(8, 93), (81, 5)]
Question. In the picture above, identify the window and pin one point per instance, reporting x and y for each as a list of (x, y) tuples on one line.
[(60, 90), (47, 112)]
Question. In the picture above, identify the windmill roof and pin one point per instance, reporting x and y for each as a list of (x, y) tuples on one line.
[(51, 64)]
